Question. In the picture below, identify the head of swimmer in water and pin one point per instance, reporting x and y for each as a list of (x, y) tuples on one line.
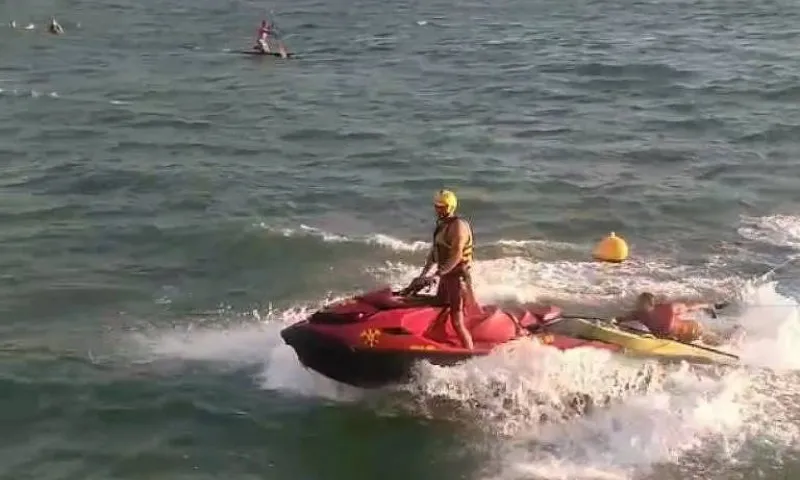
[(645, 302)]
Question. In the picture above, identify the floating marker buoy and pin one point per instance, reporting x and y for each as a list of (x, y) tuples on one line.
[(611, 249)]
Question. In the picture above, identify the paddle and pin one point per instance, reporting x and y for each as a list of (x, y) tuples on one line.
[(278, 35)]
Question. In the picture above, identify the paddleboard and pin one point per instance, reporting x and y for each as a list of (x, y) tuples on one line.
[(255, 52)]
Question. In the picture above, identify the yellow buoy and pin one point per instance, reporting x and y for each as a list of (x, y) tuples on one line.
[(611, 249)]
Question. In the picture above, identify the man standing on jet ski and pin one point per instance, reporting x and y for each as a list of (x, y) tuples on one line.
[(668, 319), (451, 252)]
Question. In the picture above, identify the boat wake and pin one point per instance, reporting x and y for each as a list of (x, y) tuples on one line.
[(525, 384), (576, 414)]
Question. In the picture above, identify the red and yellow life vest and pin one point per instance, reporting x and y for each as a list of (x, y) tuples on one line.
[(442, 245)]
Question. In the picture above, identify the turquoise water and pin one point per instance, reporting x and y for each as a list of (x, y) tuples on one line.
[(168, 205)]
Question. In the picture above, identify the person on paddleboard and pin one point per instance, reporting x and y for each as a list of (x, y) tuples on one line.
[(263, 36), (54, 27), (451, 253), (669, 319)]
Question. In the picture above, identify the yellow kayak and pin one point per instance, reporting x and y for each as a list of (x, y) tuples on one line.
[(640, 344)]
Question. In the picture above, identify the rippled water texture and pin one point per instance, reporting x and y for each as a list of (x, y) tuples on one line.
[(168, 204)]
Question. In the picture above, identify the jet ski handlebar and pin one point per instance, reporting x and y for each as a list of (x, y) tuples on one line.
[(416, 286)]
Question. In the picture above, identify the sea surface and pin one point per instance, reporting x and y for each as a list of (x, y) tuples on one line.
[(167, 205)]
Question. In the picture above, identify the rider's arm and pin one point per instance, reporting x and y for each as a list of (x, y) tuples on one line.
[(693, 307), (428, 263), (461, 235)]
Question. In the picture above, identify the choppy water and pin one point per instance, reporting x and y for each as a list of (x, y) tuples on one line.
[(167, 206)]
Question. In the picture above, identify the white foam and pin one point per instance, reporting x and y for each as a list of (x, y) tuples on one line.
[(542, 243), (244, 341), (772, 325), (778, 230), (524, 383), (31, 93), (394, 243), (382, 240), (625, 438), (688, 410), (240, 345), (283, 372)]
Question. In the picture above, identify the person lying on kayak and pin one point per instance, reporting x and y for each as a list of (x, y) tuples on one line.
[(668, 319), (451, 252)]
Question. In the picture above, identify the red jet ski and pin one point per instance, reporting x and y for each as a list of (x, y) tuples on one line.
[(373, 339)]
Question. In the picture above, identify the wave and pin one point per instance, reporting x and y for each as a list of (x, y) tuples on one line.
[(378, 239), (688, 416), (400, 245), (33, 93), (775, 230), (19, 92)]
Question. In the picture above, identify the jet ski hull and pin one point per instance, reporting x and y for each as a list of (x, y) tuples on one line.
[(359, 367), (375, 339)]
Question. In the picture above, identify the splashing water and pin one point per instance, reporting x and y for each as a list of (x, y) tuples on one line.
[(640, 415), (525, 384), (776, 230), (254, 343), (771, 344), (688, 413), (582, 413)]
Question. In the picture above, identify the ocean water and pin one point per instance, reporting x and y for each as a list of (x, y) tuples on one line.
[(168, 205)]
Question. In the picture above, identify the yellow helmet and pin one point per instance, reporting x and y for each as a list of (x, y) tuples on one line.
[(446, 199)]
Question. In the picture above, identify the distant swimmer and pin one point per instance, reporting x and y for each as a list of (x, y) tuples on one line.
[(54, 27)]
